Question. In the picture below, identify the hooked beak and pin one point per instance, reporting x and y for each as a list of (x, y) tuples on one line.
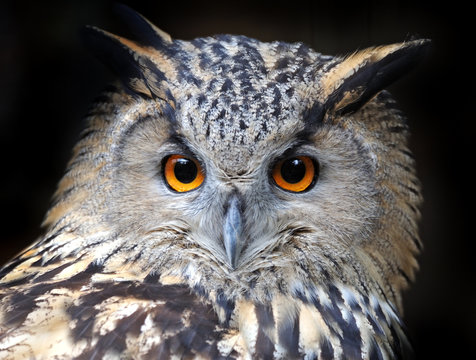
[(233, 230)]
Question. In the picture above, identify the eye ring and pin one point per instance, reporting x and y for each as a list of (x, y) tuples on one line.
[(295, 174), (182, 173)]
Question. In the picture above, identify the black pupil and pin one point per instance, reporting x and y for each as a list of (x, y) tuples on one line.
[(185, 170), (293, 170)]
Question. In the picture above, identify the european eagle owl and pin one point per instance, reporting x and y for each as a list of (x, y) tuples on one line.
[(229, 199)]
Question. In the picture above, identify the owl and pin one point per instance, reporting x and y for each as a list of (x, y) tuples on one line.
[(229, 199)]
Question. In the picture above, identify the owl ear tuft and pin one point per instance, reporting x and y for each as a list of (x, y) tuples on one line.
[(147, 33), (359, 77), (131, 61)]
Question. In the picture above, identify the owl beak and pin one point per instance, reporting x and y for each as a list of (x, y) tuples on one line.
[(232, 230)]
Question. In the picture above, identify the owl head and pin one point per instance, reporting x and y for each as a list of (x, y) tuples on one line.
[(244, 168)]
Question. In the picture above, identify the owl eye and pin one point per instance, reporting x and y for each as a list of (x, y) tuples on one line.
[(183, 174), (295, 174)]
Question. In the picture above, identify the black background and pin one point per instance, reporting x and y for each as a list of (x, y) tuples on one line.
[(48, 80)]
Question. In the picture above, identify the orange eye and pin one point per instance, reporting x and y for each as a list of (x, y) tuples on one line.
[(183, 174), (295, 174)]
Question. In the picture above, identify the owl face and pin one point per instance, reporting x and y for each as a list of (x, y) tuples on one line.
[(240, 162), (182, 179)]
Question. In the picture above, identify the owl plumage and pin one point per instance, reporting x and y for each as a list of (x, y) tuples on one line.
[(236, 261)]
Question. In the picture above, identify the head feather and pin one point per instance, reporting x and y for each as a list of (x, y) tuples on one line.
[(135, 64), (360, 76)]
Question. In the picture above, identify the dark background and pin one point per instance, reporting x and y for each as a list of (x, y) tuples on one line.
[(48, 80)]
